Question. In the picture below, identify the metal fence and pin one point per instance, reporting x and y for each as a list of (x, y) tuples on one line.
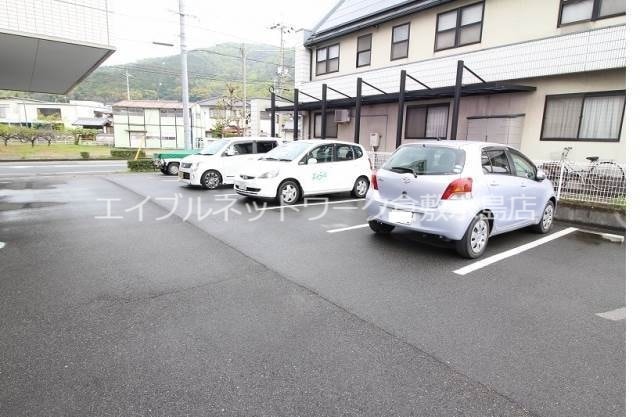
[(602, 182)]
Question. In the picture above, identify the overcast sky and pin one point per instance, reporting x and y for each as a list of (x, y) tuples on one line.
[(135, 24)]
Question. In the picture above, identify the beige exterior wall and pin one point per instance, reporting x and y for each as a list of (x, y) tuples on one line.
[(382, 119), (505, 22)]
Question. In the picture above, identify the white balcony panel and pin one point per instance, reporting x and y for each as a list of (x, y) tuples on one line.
[(593, 50)]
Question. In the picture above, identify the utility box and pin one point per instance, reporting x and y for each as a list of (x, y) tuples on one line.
[(342, 116), (374, 139)]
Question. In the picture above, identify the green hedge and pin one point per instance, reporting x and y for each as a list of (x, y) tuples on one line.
[(126, 153), (141, 165), (84, 155)]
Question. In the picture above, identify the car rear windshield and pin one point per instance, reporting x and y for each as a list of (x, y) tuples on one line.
[(426, 160)]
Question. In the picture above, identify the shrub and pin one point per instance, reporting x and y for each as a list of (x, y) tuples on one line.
[(126, 153), (141, 165), (84, 155)]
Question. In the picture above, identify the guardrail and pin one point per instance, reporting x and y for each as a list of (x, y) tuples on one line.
[(602, 182)]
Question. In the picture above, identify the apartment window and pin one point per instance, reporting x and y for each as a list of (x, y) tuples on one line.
[(332, 126), (364, 51), (427, 122), (328, 59), (573, 11), (459, 27), (400, 41), (589, 117), (136, 112)]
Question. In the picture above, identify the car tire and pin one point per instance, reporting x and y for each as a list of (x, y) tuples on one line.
[(546, 222), (211, 179), (475, 239), (380, 228), (289, 193), (164, 171), (173, 168), (360, 187)]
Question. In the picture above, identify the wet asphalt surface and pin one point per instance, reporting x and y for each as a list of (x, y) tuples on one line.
[(199, 303)]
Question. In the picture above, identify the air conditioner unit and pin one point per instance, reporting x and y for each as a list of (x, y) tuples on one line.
[(342, 116)]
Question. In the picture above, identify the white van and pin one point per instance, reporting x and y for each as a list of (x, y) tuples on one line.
[(218, 163)]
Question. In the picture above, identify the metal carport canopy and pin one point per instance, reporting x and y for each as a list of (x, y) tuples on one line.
[(415, 95)]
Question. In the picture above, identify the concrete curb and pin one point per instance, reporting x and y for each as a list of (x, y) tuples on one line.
[(592, 216)]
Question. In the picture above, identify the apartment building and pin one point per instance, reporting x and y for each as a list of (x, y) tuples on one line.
[(540, 75), (50, 46), (21, 111), (154, 124)]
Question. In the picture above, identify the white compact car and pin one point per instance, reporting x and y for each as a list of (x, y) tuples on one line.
[(218, 163), (304, 168)]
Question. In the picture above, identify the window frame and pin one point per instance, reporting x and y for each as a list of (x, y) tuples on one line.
[(327, 59), (427, 107), (584, 96), (594, 13), (486, 149), (358, 52), (393, 29), (305, 159), (459, 27), (315, 123)]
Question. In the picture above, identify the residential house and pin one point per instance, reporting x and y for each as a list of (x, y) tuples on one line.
[(220, 110), (539, 75), (35, 113), (50, 46), (155, 124)]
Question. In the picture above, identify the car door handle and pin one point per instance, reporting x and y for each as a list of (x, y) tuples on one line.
[(493, 184)]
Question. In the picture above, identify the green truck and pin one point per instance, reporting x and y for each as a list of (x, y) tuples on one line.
[(169, 162)]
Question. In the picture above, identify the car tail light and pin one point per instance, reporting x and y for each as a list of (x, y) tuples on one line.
[(458, 189), (374, 181)]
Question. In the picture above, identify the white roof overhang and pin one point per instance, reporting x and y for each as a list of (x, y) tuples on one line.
[(33, 63)]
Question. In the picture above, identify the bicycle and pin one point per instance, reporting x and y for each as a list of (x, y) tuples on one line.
[(601, 176)]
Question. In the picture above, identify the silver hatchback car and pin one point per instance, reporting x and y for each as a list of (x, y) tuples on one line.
[(462, 191)]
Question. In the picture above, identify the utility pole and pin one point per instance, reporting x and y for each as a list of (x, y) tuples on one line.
[(186, 119), (243, 51), (127, 75), (282, 70)]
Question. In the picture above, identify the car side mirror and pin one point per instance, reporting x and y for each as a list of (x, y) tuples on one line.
[(311, 161), (540, 175)]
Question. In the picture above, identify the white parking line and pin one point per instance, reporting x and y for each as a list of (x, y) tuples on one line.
[(2, 244), (311, 204), (608, 236), (344, 229), (614, 315), (504, 255)]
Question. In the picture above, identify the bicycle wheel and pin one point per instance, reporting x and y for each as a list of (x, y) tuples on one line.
[(607, 177)]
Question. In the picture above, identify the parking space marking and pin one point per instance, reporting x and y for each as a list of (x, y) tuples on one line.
[(614, 315), (608, 236), (344, 229), (311, 204), (2, 244), (501, 256)]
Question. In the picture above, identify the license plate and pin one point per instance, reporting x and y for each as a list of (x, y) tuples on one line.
[(401, 217), (241, 186)]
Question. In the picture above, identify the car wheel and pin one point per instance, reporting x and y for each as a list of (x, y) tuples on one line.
[(211, 180), (173, 168), (164, 171), (546, 222), (380, 228), (288, 193), (360, 187), (475, 240)]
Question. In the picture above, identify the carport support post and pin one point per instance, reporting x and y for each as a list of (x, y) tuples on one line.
[(356, 122), (273, 114), (403, 83), (456, 101), (295, 114), (323, 114)]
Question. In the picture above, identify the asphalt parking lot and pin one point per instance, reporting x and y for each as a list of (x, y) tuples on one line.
[(130, 294)]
